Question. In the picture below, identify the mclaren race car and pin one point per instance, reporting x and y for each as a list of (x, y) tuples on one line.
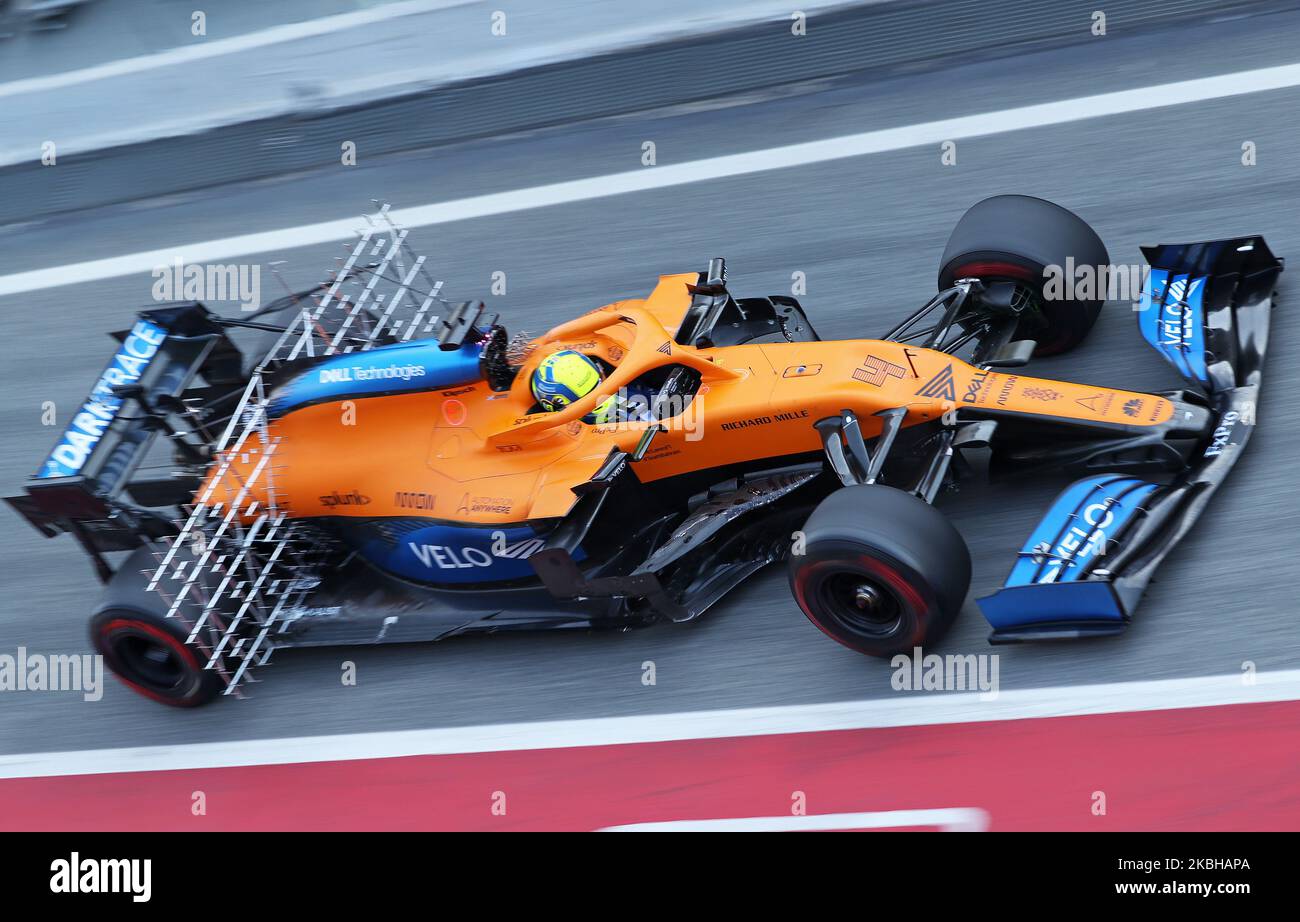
[(377, 469)]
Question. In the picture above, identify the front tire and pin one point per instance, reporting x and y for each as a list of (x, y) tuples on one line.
[(882, 572), (1016, 238)]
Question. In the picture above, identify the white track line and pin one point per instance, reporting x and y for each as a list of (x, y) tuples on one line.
[(660, 177), (902, 710), (645, 28), (948, 819)]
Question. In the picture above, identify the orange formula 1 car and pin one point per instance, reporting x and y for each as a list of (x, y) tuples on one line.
[(380, 480)]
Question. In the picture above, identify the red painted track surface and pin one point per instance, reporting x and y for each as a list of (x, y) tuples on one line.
[(1231, 767)]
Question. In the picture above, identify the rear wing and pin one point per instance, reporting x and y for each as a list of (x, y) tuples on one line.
[(84, 486)]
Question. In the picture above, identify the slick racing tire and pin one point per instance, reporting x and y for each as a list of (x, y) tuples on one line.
[(1016, 238), (144, 648), (882, 571)]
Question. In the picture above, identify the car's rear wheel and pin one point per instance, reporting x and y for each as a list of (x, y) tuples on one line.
[(882, 570), (1017, 238), (144, 648), (148, 654)]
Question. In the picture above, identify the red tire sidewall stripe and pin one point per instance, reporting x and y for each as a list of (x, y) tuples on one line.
[(171, 642), (995, 269), (874, 567)]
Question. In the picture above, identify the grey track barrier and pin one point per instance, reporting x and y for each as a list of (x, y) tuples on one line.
[(879, 38)]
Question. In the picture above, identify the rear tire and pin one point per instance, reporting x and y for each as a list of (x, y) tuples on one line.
[(883, 571), (144, 648), (1015, 238)]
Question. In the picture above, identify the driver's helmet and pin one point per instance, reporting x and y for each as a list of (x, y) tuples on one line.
[(564, 377)]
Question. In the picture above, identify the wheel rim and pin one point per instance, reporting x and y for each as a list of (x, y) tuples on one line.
[(149, 661), (861, 604)]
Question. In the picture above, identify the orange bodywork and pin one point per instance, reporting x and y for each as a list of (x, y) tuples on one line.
[(467, 454)]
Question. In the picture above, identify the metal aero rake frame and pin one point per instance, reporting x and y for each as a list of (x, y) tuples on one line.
[(234, 583), (238, 571), (374, 315)]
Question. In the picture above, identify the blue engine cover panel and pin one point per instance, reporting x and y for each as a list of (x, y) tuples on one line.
[(415, 366), (445, 553)]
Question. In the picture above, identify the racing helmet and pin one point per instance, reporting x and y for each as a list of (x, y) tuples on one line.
[(564, 377)]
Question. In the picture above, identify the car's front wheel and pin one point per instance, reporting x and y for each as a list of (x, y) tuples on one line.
[(881, 571), (1021, 239)]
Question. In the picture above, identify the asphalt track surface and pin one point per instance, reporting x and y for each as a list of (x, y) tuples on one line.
[(867, 232)]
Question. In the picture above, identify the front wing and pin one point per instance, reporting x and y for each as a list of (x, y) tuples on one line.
[(1085, 566)]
